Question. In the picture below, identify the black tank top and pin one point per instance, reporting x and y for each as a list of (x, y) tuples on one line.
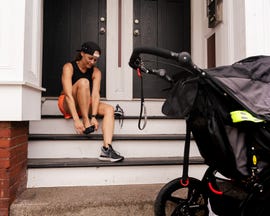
[(77, 74)]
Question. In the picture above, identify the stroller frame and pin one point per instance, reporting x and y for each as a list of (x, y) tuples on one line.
[(243, 189)]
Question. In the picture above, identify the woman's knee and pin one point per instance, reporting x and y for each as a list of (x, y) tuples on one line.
[(108, 110), (83, 83)]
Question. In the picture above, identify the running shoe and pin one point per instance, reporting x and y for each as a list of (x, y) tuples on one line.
[(110, 155)]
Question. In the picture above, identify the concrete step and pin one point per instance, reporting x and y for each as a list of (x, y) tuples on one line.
[(111, 174), (70, 160), (79, 146), (131, 200), (93, 162), (130, 126), (59, 157), (130, 107), (148, 159)]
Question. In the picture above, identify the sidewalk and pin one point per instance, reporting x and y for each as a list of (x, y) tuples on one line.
[(132, 200)]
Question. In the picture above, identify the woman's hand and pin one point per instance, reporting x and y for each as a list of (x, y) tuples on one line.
[(94, 122), (79, 127)]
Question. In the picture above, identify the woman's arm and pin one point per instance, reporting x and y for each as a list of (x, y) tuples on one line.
[(96, 77), (67, 88)]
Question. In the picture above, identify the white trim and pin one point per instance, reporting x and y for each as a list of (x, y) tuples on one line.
[(197, 33), (119, 79), (20, 60), (238, 35), (127, 47), (12, 14), (33, 41), (20, 102), (25, 84)]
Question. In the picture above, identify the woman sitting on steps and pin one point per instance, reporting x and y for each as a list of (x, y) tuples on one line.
[(80, 98)]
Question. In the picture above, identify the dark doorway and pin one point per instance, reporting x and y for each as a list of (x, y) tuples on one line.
[(164, 24), (67, 24)]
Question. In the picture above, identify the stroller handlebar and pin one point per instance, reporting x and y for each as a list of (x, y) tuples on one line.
[(183, 57)]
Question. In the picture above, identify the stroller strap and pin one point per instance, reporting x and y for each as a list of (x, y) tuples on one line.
[(142, 107), (243, 115)]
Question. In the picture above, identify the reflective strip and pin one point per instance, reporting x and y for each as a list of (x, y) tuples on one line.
[(254, 160), (239, 116)]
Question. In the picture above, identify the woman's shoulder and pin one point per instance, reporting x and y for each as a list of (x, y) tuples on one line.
[(71, 62), (96, 69), (96, 73), (68, 66)]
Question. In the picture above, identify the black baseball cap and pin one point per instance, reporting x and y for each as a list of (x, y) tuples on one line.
[(89, 47)]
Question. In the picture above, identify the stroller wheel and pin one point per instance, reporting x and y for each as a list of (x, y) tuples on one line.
[(177, 200)]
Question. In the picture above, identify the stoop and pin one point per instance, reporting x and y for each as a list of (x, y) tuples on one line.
[(65, 178)]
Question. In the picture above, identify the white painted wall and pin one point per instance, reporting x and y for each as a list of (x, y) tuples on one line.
[(257, 30), (11, 40), (229, 34), (243, 32), (20, 59)]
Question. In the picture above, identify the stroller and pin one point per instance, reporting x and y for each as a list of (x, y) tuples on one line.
[(227, 112)]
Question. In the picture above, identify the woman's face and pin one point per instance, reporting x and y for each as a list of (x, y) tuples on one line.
[(90, 60)]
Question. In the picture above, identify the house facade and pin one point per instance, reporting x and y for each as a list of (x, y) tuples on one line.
[(241, 30)]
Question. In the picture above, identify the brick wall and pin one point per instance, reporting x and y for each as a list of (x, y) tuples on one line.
[(13, 162)]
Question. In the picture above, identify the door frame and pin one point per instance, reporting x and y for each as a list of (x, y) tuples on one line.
[(119, 47)]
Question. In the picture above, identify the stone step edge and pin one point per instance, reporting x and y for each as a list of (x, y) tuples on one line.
[(100, 137), (116, 118), (104, 99), (93, 162)]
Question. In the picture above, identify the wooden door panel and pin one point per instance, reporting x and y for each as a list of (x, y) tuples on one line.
[(165, 24), (67, 24)]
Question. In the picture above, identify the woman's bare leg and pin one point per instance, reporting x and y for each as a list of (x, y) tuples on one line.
[(107, 111), (83, 98), (81, 95)]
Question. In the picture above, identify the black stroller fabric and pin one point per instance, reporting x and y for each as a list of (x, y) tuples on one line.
[(248, 82), (181, 98), (207, 99)]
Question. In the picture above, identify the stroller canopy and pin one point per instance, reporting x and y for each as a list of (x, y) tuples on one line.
[(246, 81)]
